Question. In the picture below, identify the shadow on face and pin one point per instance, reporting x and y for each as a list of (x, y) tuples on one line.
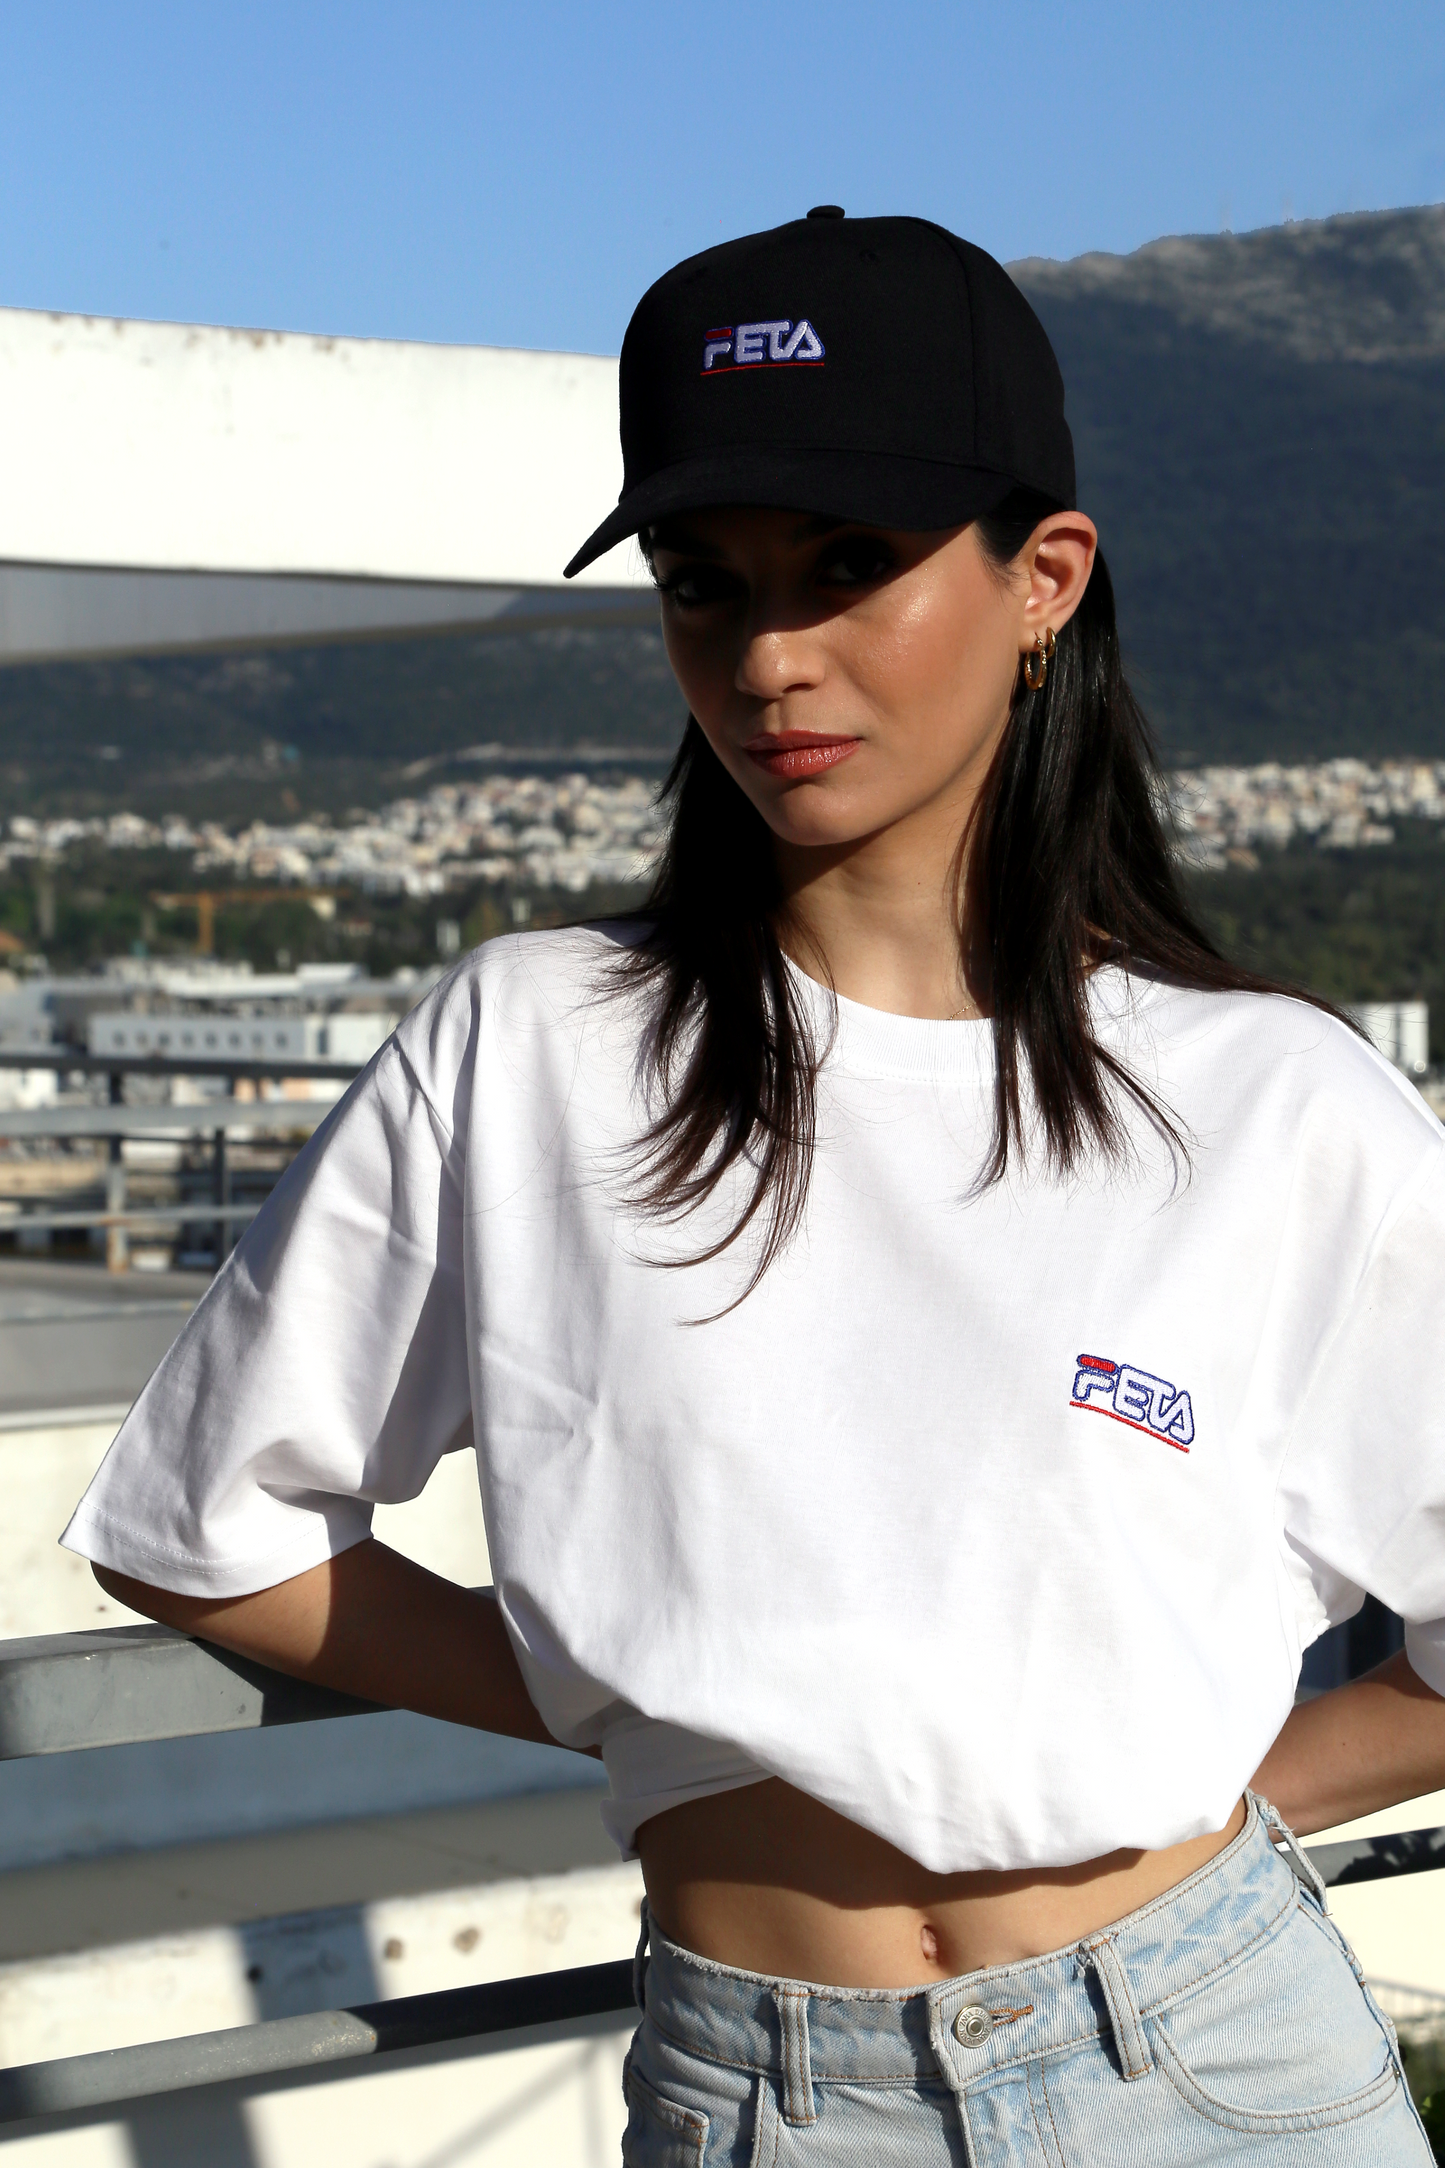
[(848, 677)]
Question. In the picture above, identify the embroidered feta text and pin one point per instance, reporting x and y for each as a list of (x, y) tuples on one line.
[(1134, 1397), (761, 346)]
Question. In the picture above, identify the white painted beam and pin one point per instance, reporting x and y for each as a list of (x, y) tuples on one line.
[(54, 613), (177, 447)]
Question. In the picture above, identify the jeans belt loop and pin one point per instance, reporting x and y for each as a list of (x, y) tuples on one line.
[(1129, 2038), (1305, 1871), (792, 2005), (639, 1961)]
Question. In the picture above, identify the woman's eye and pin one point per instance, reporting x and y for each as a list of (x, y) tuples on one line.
[(856, 563), (691, 586)]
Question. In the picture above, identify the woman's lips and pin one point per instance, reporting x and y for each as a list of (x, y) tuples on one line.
[(799, 752)]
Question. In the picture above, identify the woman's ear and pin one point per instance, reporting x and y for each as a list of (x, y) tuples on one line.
[(1058, 558)]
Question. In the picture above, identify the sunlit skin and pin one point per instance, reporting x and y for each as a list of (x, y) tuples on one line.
[(855, 684)]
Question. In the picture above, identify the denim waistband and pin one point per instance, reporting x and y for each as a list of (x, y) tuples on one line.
[(983, 2022)]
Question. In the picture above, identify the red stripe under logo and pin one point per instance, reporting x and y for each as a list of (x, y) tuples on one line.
[(1087, 1407)]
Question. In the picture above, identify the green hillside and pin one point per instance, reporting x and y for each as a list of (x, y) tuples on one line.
[(319, 728), (1260, 423), (1353, 925)]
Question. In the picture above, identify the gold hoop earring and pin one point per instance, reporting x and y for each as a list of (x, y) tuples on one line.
[(1036, 662)]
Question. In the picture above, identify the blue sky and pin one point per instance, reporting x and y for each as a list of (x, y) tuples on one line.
[(516, 173)]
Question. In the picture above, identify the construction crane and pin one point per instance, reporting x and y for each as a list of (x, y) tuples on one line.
[(204, 901)]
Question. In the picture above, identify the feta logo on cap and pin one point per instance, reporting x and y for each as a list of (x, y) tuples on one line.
[(776, 342), (1135, 1397)]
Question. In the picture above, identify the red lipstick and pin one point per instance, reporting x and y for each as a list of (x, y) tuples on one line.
[(795, 753)]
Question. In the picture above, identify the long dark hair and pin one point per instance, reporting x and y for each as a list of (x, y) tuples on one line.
[(1068, 865)]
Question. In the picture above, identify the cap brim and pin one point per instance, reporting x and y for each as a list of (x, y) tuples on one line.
[(878, 489)]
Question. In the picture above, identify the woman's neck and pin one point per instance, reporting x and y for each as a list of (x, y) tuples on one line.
[(880, 919)]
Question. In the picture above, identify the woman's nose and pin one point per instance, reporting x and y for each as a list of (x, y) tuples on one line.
[(774, 663)]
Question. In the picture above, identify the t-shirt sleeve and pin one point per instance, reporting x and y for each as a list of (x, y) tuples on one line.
[(1363, 1480), (324, 1372)]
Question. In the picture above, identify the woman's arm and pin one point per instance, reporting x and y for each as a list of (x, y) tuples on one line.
[(1356, 1750), (370, 1623)]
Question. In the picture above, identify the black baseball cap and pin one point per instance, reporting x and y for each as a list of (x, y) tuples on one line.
[(876, 369)]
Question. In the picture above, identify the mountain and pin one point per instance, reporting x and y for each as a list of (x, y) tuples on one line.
[(1365, 288), (232, 737), (1260, 424)]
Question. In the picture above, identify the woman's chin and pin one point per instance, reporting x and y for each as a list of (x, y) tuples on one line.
[(820, 832), (815, 818)]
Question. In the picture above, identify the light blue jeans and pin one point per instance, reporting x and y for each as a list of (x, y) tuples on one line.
[(1226, 2022)]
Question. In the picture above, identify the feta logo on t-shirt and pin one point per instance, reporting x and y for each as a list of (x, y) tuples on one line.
[(1135, 1397)]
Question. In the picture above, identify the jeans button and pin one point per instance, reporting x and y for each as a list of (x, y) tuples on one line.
[(973, 2025)]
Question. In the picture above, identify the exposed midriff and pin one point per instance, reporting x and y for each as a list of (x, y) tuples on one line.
[(772, 1881)]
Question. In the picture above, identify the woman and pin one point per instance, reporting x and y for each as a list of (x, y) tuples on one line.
[(768, 1248)]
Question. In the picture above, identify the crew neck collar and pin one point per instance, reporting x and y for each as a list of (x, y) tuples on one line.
[(875, 1042)]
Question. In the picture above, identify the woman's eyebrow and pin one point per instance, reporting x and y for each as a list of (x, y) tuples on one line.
[(681, 542)]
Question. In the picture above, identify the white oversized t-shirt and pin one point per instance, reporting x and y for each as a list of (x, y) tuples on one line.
[(997, 1518)]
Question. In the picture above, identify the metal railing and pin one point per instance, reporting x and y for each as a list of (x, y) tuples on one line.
[(499, 2014), (76, 1061), (66, 1693), (116, 1122)]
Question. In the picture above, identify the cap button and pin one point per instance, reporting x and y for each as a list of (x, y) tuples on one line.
[(827, 210)]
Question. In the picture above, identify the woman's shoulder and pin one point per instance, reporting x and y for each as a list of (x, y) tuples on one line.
[(551, 981), (557, 972), (1275, 1059)]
